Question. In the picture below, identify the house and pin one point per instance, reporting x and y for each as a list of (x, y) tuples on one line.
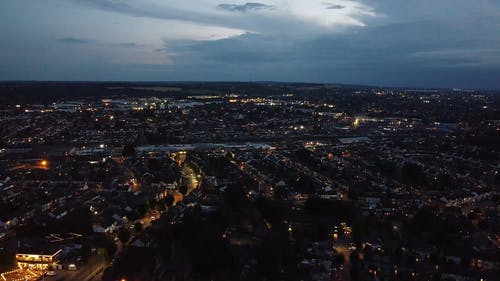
[(98, 229), (37, 261)]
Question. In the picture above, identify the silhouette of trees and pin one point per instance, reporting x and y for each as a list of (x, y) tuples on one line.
[(209, 252), (7, 260), (169, 200), (235, 198), (124, 235), (183, 189), (304, 184), (154, 164), (274, 252), (272, 210), (86, 252), (341, 210), (105, 246), (412, 173), (138, 227), (128, 150)]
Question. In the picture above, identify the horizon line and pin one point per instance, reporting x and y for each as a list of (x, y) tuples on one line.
[(247, 82)]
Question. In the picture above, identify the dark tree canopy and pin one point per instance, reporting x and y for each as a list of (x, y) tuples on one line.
[(169, 200), (183, 189), (138, 227), (340, 210), (124, 235), (128, 150)]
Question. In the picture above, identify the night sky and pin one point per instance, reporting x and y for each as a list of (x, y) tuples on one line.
[(421, 43)]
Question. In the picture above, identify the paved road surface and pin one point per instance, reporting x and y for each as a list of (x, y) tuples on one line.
[(85, 273), (341, 248)]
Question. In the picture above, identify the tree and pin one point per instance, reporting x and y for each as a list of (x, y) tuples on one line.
[(183, 189), (105, 247), (341, 210), (483, 224), (354, 257), (304, 184), (85, 253), (3, 143), (355, 273), (123, 235), (444, 179), (169, 200), (273, 211), (338, 259), (209, 252), (138, 227), (359, 229), (274, 252), (424, 219), (143, 209), (6, 260), (134, 215), (412, 173), (128, 150), (154, 164), (235, 197), (387, 167), (79, 221)]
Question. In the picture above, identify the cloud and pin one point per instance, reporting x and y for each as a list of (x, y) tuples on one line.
[(146, 9), (74, 40), (130, 45), (419, 53), (77, 40), (389, 42), (460, 57), (282, 16), (330, 6), (249, 6), (248, 48)]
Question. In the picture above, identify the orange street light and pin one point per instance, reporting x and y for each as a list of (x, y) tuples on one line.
[(44, 163)]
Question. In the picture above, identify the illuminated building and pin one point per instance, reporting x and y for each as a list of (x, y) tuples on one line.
[(37, 261)]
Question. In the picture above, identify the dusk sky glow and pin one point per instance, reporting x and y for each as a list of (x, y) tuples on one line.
[(422, 43)]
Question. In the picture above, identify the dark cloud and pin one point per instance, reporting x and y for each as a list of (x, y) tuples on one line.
[(421, 53), (130, 45), (248, 48), (147, 11), (334, 7), (250, 6), (446, 43), (74, 40), (77, 40)]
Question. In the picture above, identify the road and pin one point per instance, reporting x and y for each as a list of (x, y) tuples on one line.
[(85, 273), (341, 248)]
